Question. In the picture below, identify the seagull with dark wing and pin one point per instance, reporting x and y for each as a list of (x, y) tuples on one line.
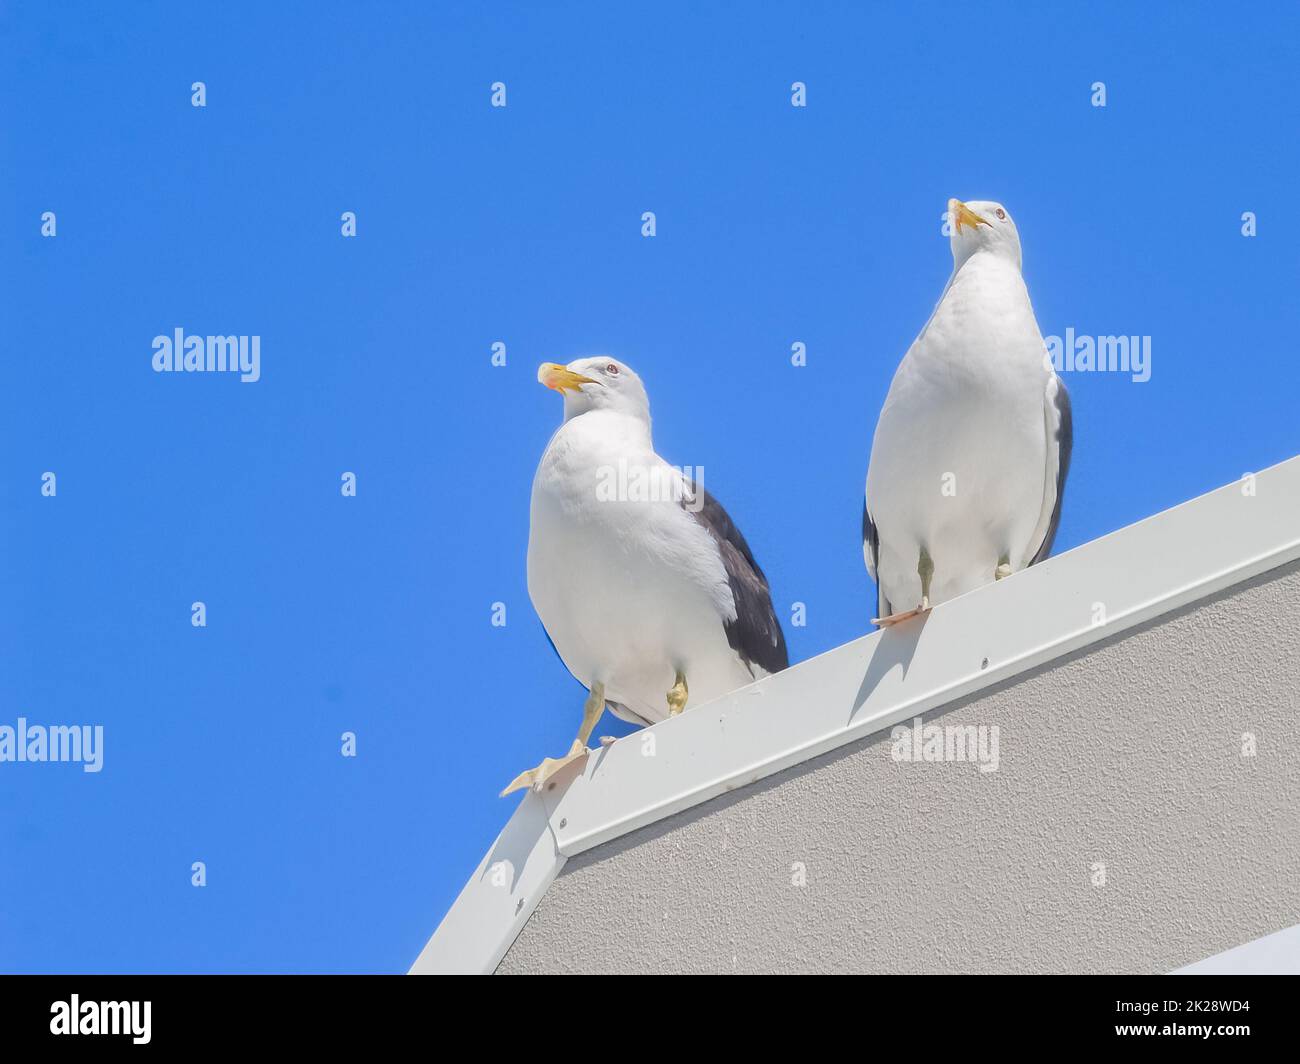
[(972, 449), (648, 591)]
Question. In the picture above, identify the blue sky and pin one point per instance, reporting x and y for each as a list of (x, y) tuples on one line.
[(522, 225)]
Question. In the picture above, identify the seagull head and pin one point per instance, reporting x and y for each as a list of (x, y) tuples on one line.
[(982, 225), (599, 383)]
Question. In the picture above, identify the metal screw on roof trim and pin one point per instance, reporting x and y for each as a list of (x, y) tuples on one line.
[(564, 821), (519, 906), (984, 664)]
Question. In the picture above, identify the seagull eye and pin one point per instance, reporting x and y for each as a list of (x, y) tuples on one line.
[(612, 370), (1001, 214)]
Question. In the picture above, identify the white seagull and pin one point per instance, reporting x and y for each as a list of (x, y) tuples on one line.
[(972, 449), (641, 579)]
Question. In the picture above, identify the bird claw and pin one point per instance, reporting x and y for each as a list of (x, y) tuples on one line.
[(537, 777), (898, 618)]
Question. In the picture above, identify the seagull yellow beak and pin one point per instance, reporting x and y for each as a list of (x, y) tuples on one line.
[(963, 215), (561, 378)]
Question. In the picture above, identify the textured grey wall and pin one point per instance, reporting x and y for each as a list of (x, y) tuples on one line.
[(1129, 753)]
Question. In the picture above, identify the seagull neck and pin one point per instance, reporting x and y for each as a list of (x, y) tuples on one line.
[(975, 262), (632, 426), (982, 258)]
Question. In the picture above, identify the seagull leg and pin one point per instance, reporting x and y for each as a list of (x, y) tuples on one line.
[(677, 695), (925, 570), (591, 711), (1004, 568), (535, 777)]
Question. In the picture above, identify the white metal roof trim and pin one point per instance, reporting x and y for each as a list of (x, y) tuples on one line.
[(498, 899), (970, 643)]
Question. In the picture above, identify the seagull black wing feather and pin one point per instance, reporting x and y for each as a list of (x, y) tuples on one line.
[(1065, 445), (871, 552), (755, 634)]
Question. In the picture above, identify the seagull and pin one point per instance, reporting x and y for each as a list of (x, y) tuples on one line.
[(641, 579), (972, 448)]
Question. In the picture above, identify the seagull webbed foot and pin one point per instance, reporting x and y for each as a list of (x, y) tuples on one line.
[(537, 777), (925, 570), (906, 615)]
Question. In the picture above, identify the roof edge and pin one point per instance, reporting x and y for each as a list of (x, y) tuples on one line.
[(970, 643)]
